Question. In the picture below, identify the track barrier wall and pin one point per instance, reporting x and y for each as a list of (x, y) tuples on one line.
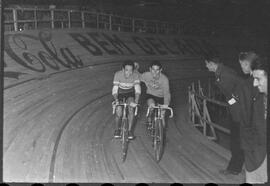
[(39, 53)]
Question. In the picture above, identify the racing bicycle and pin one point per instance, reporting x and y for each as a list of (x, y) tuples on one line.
[(156, 128), (124, 126)]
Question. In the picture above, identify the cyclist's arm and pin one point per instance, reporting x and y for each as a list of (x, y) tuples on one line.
[(142, 77), (115, 88), (167, 94), (137, 88), (115, 92)]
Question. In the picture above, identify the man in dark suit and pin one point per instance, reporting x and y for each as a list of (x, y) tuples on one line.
[(253, 124), (240, 94), (227, 80)]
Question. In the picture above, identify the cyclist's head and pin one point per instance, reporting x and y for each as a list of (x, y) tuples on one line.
[(246, 59), (136, 66), (155, 69), (128, 68)]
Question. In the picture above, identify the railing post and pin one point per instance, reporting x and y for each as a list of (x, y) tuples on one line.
[(144, 26), (52, 19), (35, 18), (199, 87), (193, 104), (69, 20), (133, 24), (83, 21), (189, 103), (97, 21), (204, 118), (15, 18), (110, 22), (214, 137), (157, 30), (209, 88), (2, 63), (193, 108)]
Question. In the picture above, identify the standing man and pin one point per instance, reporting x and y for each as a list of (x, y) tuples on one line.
[(157, 87), (254, 136), (227, 80)]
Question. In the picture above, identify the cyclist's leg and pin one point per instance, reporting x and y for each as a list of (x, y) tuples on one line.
[(163, 112), (160, 100), (118, 117), (150, 102), (130, 118)]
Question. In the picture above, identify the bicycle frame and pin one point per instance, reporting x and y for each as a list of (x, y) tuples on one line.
[(159, 108), (157, 127), (124, 126)]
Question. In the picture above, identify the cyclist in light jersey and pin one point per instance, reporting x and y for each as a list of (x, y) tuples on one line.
[(126, 84), (158, 90)]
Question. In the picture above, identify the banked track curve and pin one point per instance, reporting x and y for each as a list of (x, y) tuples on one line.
[(59, 129)]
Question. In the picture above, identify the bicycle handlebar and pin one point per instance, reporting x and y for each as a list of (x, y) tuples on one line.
[(124, 104), (160, 107)]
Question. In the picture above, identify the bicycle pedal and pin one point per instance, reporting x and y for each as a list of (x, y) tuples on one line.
[(149, 128)]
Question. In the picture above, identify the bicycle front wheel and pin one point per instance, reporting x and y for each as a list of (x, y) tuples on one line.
[(124, 139), (158, 139)]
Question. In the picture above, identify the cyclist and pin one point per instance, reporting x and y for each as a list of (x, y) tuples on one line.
[(126, 84), (136, 67), (157, 85)]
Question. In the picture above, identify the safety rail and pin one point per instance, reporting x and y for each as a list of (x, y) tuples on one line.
[(18, 19), (198, 111)]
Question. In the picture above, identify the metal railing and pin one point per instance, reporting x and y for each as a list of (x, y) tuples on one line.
[(18, 19), (199, 111)]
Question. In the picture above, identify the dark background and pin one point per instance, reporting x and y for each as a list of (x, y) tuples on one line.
[(250, 16)]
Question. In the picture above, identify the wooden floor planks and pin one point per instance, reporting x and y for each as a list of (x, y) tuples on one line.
[(73, 111)]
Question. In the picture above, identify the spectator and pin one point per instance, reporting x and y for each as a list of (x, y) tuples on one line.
[(227, 80), (254, 132)]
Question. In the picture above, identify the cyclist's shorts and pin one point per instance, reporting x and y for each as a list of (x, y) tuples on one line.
[(125, 94), (158, 100)]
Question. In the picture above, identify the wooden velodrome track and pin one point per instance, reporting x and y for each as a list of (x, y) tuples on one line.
[(59, 127)]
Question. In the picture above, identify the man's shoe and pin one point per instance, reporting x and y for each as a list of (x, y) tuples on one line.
[(130, 135), (117, 133), (229, 172)]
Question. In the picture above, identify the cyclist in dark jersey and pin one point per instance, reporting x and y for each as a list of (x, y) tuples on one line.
[(126, 84)]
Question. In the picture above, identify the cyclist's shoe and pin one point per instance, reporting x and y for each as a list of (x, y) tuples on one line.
[(130, 135), (148, 123), (117, 133), (152, 132)]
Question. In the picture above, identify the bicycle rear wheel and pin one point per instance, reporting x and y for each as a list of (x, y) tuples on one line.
[(158, 139), (124, 139)]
